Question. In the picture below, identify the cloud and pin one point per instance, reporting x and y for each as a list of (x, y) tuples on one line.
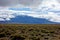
[(30, 3), (24, 3), (8, 2), (49, 10)]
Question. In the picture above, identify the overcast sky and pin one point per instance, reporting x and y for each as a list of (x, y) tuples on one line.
[(31, 3)]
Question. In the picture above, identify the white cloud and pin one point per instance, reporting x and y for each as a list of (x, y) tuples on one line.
[(47, 10)]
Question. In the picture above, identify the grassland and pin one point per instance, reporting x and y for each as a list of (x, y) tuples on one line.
[(29, 32)]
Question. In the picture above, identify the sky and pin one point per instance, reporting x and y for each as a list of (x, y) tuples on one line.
[(46, 9)]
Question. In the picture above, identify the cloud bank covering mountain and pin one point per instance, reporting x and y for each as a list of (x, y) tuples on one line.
[(47, 9)]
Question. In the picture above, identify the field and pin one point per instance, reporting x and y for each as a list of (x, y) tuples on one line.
[(29, 32)]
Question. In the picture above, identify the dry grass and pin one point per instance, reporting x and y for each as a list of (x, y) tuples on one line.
[(29, 32)]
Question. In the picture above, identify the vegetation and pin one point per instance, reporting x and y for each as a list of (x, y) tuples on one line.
[(29, 32)]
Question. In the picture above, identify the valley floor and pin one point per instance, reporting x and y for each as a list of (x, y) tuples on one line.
[(29, 32)]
